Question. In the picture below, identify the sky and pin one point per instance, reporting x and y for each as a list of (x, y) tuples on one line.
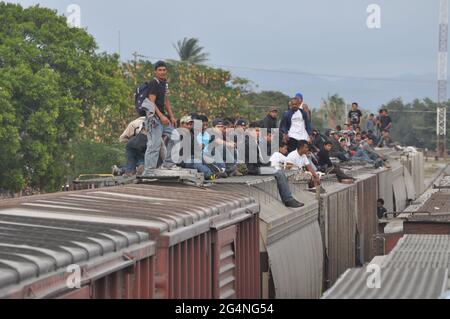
[(318, 47)]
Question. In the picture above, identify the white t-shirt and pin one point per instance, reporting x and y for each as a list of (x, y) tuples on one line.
[(277, 160), (298, 127), (297, 160)]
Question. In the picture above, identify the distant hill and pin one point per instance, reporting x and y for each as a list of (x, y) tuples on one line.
[(370, 94)]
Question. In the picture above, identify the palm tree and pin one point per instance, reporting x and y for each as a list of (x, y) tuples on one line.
[(189, 51), (333, 111)]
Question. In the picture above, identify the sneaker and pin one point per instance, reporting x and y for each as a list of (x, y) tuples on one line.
[(170, 167), (129, 174), (149, 172), (293, 203), (347, 181), (314, 190), (222, 175), (236, 173), (140, 170), (115, 170)]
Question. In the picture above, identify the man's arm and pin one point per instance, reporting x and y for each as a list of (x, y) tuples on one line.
[(172, 117), (162, 117), (315, 177)]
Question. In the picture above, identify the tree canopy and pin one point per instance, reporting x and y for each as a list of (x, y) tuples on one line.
[(53, 85)]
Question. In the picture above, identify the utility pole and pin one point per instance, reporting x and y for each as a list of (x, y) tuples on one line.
[(441, 125), (120, 45)]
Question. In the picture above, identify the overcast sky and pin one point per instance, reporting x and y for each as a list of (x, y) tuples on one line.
[(315, 36)]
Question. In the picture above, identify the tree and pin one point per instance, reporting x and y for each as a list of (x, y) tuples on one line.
[(53, 87), (197, 88), (414, 123), (190, 51), (332, 111), (265, 100)]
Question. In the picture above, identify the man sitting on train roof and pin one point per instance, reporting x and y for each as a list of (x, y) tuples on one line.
[(298, 160), (257, 167)]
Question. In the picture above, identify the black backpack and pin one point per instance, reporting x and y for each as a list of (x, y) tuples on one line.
[(140, 94), (138, 141)]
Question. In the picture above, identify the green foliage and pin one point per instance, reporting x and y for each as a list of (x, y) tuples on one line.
[(53, 87), (91, 157), (263, 101), (196, 88), (414, 123), (190, 51), (332, 112)]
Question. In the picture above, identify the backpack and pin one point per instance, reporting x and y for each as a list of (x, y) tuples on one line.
[(140, 94), (139, 140)]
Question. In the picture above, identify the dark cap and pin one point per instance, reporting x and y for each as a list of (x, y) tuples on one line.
[(241, 122), (218, 121), (160, 64)]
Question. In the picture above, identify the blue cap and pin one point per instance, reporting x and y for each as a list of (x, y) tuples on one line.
[(299, 95)]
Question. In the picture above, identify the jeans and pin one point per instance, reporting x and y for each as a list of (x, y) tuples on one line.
[(282, 182), (134, 159), (154, 135), (362, 156), (283, 186), (201, 168)]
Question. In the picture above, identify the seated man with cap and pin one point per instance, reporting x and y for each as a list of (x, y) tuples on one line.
[(221, 150), (241, 124), (187, 123), (254, 160), (270, 122)]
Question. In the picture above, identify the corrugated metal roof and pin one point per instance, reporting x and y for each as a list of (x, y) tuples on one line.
[(291, 237), (396, 283), (439, 202), (32, 247), (161, 208), (418, 267), (420, 251), (297, 263)]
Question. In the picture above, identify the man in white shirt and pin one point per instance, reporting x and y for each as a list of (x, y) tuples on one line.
[(278, 159), (295, 125), (298, 159)]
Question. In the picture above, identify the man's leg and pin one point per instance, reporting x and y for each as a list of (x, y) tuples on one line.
[(230, 162), (153, 147), (173, 137), (131, 160), (340, 173), (283, 187), (292, 144), (361, 155), (201, 168)]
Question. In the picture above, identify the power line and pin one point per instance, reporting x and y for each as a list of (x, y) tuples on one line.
[(298, 72), (412, 111)]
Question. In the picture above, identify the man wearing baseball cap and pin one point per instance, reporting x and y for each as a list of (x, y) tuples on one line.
[(270, 122), (241, 124), (186, 122)]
